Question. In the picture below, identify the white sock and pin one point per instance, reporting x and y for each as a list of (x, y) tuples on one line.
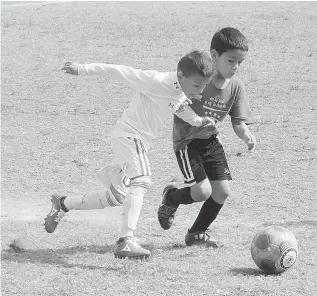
[(132, 206), (93, 200)]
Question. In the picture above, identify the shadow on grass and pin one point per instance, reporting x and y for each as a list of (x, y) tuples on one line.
[(55, 257), (250, 272), (174, 247)]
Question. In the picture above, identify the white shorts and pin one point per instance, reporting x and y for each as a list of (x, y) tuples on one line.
[(131, 157), (130, 161)]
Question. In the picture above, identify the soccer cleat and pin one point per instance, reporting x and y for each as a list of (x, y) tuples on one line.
[(55, 215), (127, 247), (166, 211), (201, 238)]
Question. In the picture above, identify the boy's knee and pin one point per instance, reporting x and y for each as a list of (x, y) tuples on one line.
[(201, 191), (203, 196), (220, 197), (140, 185), (220, 191), (106, 197)]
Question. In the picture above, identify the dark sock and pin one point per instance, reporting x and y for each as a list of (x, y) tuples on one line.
[(208, 213), (180, 196), (62, 204)]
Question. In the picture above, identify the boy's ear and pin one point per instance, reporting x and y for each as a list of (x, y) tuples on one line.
[(180, 74), (214, 54)]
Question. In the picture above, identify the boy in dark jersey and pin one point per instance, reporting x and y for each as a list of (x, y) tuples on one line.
[(198, 150)]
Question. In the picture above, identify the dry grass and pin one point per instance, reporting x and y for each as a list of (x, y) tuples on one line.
[(55, 136)]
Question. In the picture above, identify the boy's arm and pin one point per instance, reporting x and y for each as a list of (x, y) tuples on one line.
[(137, 79), (241, 115), (189, 115), (243, 132)]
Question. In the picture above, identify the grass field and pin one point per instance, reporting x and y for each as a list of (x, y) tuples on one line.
[(55, 136)]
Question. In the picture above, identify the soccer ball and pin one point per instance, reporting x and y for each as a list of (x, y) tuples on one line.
[(274, 249)]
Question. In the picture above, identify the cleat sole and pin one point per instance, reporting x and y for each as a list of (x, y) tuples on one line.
[(132, 257)]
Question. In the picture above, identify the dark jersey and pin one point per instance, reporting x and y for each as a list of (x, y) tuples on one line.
[(215, 103)]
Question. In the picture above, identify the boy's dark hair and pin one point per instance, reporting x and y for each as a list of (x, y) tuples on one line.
[(196, 62), (228, 38)]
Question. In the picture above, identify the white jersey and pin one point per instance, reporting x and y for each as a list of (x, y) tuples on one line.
[(159, 96)]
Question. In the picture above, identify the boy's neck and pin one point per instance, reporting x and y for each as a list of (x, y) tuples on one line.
[(220, 82)]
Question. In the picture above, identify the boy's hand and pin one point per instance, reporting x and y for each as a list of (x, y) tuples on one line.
[(71, 68), (207, 121), (196, 97), (251, 142), (182, 105), (187, 101)]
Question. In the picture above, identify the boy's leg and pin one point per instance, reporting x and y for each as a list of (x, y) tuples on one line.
[(132, 206), (134, 163), (112, 177), (115, 183), (218, 172), (212, 206), (136, 167), (197, 188), (93, 200)]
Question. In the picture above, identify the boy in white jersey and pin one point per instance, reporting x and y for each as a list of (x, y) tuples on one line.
[(198, 150), (160, 95)]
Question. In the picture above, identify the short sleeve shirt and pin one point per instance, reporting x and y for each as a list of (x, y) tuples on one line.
[(215, 103)]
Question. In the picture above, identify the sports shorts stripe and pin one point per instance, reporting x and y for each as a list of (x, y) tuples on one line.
[(185, 166), (143, 159)]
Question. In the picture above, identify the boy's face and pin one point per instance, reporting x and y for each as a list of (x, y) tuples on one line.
[(227, 64), (193, 85)]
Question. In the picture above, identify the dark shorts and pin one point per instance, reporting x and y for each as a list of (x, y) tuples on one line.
[(201, 159)]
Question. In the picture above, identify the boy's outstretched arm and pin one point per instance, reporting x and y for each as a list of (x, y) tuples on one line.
[(137, 79), (243, 132)]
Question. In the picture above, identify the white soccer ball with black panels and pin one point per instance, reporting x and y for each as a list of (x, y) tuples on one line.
[(274, 249)]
